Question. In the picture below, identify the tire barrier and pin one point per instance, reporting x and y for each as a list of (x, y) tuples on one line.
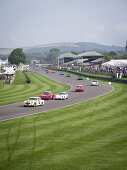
[(97, 77), (27, 78)]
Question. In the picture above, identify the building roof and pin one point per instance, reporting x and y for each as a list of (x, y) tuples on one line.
[(90, 54), (9, 70), (67, 55)]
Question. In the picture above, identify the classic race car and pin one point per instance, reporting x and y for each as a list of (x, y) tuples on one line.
[(80, 78), (34, 101), (61, 73), (48, 71), (61, 95), (53, 71), (79, 88), (68, 75), (47, 95), (94, 83)]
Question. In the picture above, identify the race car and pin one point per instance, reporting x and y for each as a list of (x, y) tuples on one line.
[(94, 83), (62, 73), (61, 95), (53, 71), (48, 71), (80, 78), (79, 88), (47, 95), (68, 75), (34, 101)]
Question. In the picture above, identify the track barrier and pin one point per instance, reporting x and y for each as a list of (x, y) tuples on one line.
[(27, 78)]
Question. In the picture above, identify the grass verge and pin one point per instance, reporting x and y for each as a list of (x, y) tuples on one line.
[(20, 90), (98, 75), (93, 74)]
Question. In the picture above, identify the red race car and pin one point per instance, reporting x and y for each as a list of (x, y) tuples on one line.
[(47, 95), (48, 71), (79, 88)]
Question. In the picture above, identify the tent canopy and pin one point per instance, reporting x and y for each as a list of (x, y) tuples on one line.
[(117, 63)]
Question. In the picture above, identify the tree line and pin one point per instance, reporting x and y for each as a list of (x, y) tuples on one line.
[(112, 55), (17, 56)]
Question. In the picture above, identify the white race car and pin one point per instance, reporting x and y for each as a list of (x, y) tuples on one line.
[(95, 83), (34, 101), (61, 95)]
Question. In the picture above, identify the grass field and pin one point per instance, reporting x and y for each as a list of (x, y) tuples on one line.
[(93, 74), (98, 75), (88, 136), (20, 90)]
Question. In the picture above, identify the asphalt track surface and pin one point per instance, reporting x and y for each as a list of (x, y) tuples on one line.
[(16, 110)]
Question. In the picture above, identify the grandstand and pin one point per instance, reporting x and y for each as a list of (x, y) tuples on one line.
[(88, 58), (65, 58)]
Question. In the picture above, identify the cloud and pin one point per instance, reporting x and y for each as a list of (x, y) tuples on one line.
[(99, 28), (122, 27), (15, 40)]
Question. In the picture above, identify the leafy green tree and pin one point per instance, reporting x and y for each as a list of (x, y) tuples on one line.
[(107, 58), (124, 57), (126, 47), (112, 53), (74, 52), (17, 56), (52, 55), (55, 50)]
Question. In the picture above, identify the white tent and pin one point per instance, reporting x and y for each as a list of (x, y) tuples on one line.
[(117, 63), (9, 70)]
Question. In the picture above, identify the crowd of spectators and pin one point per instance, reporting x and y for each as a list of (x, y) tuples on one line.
[(115, 72)]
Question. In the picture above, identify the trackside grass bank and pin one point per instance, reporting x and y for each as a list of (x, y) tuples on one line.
[(88, 136), (20, 90), (94, 74), (99, 75)]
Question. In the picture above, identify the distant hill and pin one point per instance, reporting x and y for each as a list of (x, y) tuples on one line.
[(68, 47), (5, 51), (78, 47)]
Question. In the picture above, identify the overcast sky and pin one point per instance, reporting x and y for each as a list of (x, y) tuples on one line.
[(37, 22)]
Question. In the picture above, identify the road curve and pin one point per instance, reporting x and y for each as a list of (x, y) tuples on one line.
[(16, 110)]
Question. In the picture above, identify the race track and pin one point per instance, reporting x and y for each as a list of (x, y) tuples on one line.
[(16, 110)]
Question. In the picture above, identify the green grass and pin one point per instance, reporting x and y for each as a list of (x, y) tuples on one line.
[(124, 78), (20, 90), (19, 78), (88, 136), (93, 74), (98, 75)]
